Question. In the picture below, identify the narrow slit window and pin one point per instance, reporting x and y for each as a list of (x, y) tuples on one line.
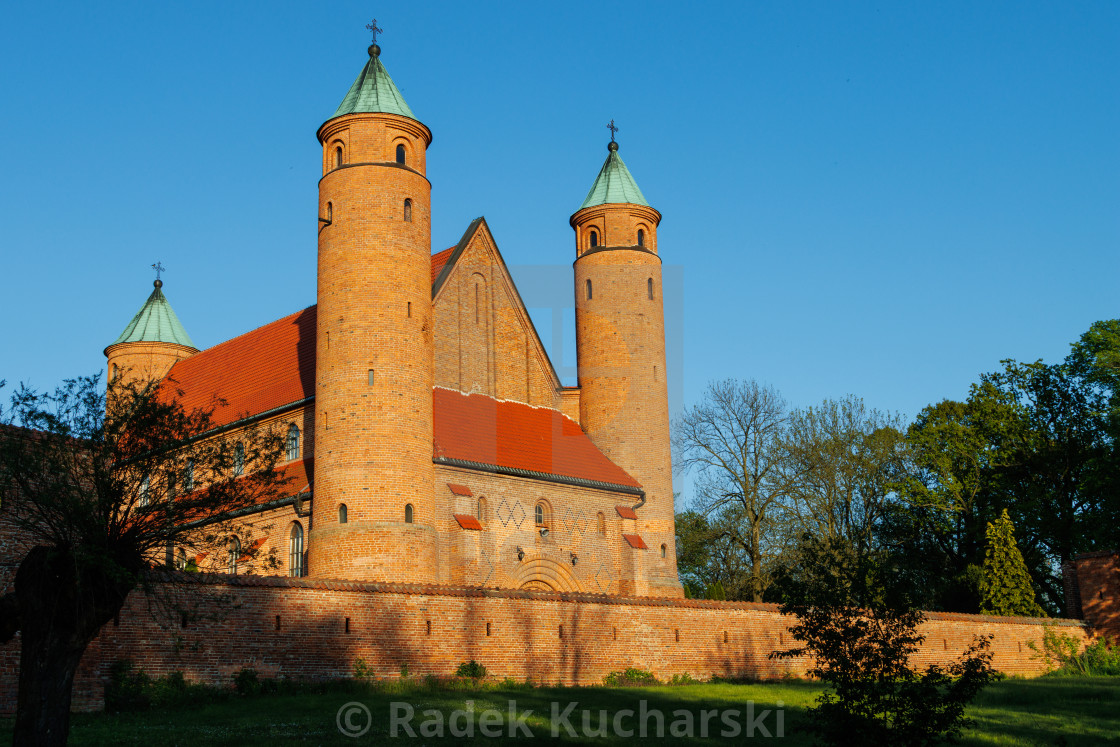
[(594, 239), (239, 459), (602, 520), (293, 442), (589, 289), (641, 237), (342, 518), (295, 551), (663, 551), (482, 509), (370, 375), (338, 156), (408, 513), (330, 212), (649, 288), (408, 210), (400, 153), (234, 555)]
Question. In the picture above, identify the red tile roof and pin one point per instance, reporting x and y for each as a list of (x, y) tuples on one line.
[(635, 541), (486, 431), (271, 366), (459, 489), (466, 521), (438, 261), (626, 512)]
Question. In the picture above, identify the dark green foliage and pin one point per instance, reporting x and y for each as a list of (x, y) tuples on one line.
[(631, 677), (246, 681), (131, 689), (860, 630), (716, 592), (1064, 655), (1006, 585), (471, 669)]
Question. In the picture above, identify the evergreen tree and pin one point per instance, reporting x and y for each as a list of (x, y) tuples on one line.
[(1006, 585)]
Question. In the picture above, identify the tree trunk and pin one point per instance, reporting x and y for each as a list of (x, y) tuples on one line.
[(63, 602)]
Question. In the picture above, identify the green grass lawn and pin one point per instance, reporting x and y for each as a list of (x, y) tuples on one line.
[(1049, 711)]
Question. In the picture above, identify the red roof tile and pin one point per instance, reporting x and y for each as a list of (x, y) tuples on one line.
[(484, 430), (635, 541), (626, 512), (271, 366), (466, 521), (459, 489), (438, 261)]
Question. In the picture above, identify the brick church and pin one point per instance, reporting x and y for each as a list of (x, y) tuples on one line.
[(428, 433)]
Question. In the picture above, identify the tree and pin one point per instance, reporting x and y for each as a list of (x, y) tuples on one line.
[(842, 461), (1006, 585), (733, 440), (860, 630), (98, 487), (708, 556)]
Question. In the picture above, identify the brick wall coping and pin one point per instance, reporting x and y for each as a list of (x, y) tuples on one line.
[(221, 579), (1097, 554)]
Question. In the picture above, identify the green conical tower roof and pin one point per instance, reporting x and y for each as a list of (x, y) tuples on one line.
[(614, 183), (155, 322), (374, 91)]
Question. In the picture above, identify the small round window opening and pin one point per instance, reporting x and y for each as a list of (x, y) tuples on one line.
[(400, 153)]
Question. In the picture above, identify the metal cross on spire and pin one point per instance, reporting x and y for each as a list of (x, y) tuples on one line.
[(374, 29), (613, 129), (158, 267)]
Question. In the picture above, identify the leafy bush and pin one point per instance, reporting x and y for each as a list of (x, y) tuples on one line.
[(471, 669), (246, 681), (127, 689), (362, 671), (631, 677), (860, 631), (683, 679), (1063, 656)]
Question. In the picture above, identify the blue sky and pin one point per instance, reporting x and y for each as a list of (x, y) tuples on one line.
[(881, 199)]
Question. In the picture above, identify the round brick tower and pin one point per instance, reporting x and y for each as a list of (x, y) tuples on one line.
[(373, 370), (620, 344), (151, 343)]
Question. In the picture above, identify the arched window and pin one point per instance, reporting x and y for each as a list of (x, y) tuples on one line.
[(408, 513), (330, 212), (113, 372), (602, 523), (295, 551), (408, 210), (589, 289), (293, 442), (181, 559), (239, 459), (482, 509), (594, 239), (540, 514), (400, 153), (234, 554), (641, 237), (663, 551), (649, 288), (145, 485), (338, 156), (188, 476), (342, 518)]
